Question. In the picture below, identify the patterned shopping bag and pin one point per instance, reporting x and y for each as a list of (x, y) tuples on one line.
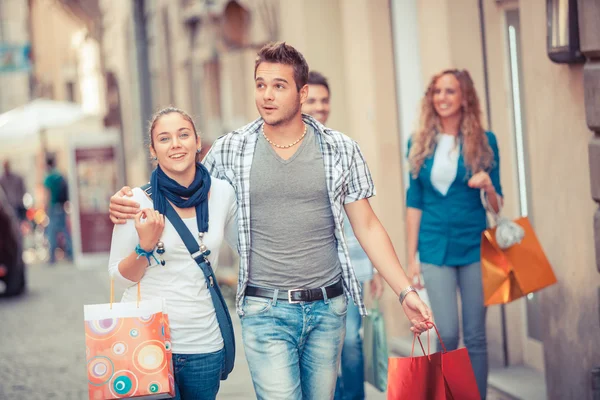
[(128, 350)]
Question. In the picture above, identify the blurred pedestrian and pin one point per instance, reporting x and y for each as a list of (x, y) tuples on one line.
[(57, 194), (293, 177), (317, 103), (14, 188), (140, 246), (350, 383), (452, 159)]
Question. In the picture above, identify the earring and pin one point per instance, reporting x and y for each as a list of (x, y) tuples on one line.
[(155, 158), (199, 150)]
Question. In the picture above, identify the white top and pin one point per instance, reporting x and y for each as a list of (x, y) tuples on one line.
[(445, 162), (193, 322)]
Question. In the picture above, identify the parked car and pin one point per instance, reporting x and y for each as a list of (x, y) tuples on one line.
[(12, 267)]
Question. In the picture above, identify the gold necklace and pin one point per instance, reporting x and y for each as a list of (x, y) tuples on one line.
[(287, 146)]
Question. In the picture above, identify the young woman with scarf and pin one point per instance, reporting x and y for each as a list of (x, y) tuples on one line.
[(150, 250)]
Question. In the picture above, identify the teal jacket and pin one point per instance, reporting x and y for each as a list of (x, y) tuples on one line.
[(451, 225)]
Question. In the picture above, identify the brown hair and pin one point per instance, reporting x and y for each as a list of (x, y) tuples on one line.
[(165, 111), (316, 78), (476, 149), (282, 53)]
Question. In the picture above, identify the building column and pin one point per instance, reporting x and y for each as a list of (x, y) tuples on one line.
[(589, 33)]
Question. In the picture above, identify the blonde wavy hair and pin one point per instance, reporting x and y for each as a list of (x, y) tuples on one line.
[(476, 150)]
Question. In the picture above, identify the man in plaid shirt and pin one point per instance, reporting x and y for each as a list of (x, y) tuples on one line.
[(293, 178)]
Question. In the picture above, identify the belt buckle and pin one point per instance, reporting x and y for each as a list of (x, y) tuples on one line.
[(290, 296)]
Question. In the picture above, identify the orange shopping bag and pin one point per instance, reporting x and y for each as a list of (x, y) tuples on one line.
[(516, 271), (128, 350), (446, 375)]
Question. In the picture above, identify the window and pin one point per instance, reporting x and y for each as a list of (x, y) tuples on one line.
[(533, 313)]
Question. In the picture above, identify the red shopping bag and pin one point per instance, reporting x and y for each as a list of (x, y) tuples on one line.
[(446, 375)]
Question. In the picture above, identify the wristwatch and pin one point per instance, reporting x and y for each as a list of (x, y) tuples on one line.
[(405, 292)]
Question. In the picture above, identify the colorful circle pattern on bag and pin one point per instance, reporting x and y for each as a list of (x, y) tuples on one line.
[(100, 370), (154, 387), (104, 328), (147, 320), (149, 357), (119, 348), (138, 349), (123, 384)]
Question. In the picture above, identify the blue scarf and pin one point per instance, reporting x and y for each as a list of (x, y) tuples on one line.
[(196, 195)]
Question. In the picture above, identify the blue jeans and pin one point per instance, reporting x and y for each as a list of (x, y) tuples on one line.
[(441, 284), (350, 384), (293, 350), (198, 376), (58, 224)]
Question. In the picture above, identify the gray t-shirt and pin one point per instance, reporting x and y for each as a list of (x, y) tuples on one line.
[(293, 242)]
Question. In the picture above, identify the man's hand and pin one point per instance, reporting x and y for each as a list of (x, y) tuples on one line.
[(417, 312), (121, 208), (376, 285)]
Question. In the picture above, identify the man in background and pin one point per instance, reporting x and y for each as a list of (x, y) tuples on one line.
[(350, 382), (57, 195), (14, 188)]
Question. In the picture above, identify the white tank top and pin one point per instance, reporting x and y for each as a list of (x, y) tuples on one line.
[(445, 162)]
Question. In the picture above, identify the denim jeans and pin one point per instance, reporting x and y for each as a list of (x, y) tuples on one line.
[(293, 350), (350, 384), (441, 284), (198, 376), (58, 224)]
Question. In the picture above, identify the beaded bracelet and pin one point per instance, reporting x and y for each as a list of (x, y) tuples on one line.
[(141, 252)]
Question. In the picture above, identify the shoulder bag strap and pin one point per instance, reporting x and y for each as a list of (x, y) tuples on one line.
[(221, 310)]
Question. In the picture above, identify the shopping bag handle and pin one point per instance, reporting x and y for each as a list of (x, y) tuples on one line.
[(418, 337), (488, 207), (112, 293)]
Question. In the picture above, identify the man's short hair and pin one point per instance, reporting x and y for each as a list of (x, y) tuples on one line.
[(316, 78), (282, 53), (50, 161)]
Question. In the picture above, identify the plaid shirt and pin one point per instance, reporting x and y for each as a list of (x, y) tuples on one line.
[(347, 175)]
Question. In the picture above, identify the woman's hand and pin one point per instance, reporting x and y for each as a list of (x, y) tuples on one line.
[(417, 312), (414, 274), (150, 229), (481, 180)]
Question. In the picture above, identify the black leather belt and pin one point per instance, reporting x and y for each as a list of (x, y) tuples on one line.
[(297, 295)]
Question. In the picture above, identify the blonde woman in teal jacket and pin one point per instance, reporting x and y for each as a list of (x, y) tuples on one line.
[(452, 159)]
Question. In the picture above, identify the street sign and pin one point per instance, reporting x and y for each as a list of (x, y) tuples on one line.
[(15, 58)]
